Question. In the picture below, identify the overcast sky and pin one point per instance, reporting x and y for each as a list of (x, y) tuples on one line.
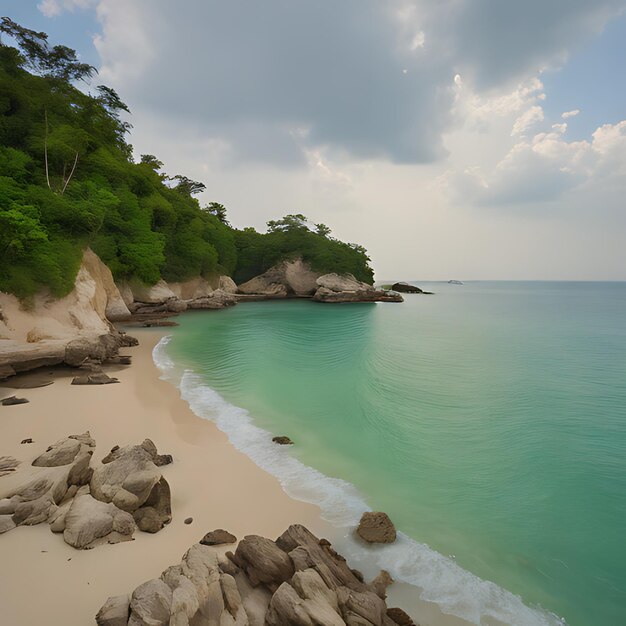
[(460, 139)]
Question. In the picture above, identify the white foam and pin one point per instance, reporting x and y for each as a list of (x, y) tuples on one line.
[(440, 579)]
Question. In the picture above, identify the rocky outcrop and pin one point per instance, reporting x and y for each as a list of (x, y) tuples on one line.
[(218, 537), (288, 278), (67, 330), (346, 288), (406, 288), (376, 527), (298, 580), (218, 299), (91, 507)]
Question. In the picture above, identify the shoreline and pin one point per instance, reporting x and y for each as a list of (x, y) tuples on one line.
[(211, 481)]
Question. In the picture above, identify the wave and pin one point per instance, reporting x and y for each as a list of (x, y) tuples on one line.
[(439, 578)]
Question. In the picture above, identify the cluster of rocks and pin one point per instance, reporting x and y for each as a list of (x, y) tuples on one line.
[(91, 506), (85, 351), (297, 580), (148, 305), (296, 279), (336, 288)]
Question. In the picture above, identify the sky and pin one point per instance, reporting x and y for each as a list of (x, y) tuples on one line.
[(454, 139)]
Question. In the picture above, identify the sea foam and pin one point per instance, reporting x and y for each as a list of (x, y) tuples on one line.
[(439, 579)]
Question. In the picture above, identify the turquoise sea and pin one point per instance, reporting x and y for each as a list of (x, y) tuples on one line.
[(488, 420)]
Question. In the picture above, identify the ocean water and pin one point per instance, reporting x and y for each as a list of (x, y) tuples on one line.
[(488, 420)]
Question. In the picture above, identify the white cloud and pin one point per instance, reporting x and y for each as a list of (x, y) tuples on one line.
[(527, 119), (54, 8), (544, 167), (572, 113)]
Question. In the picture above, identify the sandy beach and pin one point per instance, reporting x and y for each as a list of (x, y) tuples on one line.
[(44, 580)]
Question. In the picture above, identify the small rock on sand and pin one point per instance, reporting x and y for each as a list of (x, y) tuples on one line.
[(29, 440), (188, 520), (11, 400), (218, 537)]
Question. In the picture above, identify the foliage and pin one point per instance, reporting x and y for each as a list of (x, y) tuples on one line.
[(68, 180)]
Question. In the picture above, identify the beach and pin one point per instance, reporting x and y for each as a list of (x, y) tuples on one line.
[(47, 581)]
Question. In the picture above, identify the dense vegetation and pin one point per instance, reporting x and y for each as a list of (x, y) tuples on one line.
[(68, 180)]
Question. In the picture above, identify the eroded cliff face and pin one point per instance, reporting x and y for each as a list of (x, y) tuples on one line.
[(51, 331), (287, 278), (86, 310)]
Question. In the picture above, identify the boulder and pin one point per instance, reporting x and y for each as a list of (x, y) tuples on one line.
[(126, 478), (346, 288), (217, 537), (152, 294), (376, 527), (287, 278), (114, 612), (263, 561), (157, 509), (406, 288), (150, 604), (62, 452), (342, 282), (90, 522), (219, 299), (227, 284), (400, 617)]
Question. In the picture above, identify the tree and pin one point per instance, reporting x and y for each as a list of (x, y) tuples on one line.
[(219, 210), (187, 186), (289, 223), (322, 230), (152, 161), (58, 62)]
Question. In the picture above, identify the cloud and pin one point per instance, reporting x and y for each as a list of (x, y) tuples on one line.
[(572, 113), (54, 8), (369, 80), (544, 167), (527, 119)]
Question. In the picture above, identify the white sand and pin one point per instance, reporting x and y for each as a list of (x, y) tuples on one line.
[(45, 581)]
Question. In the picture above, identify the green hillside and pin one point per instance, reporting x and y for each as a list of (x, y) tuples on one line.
[(68, 180)]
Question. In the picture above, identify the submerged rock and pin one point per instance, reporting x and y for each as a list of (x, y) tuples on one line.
[(282, 440)]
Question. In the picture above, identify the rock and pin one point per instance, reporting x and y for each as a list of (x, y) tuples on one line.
[(29, 440), (6, 371), (219, 299), (406, 288), (163, 459), (6, 523), (126, 341), (62, 452), (114, 612), (89, 522), (345, 282), (380, 583), (157, 510), (346, 288), (90, 348), (227, 284), (400, 617), (188, 520), (120, 360), (94, 379), (126, 479), (263, 561), (154, 294), (158, 323), (284, 279), (150, 604), (282, 440), (218, 537), (360, 607), (12, 400), (376, 527)]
